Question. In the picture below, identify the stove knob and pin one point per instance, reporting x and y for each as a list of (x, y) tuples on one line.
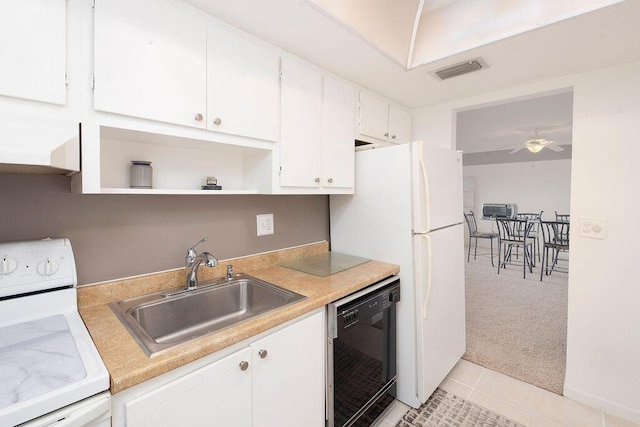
[(7, 265), (47, 267)]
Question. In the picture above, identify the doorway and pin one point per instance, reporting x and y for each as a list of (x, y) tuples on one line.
[(517, 152)]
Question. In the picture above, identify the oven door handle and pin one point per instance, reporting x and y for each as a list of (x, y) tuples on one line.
[(83, 416)]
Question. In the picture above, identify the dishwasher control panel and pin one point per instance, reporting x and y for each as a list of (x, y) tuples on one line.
[(369, 306)]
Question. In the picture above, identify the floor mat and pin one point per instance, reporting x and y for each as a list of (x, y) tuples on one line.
[(448, 410)]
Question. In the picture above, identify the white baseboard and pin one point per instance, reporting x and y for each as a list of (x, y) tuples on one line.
[(602, 404)]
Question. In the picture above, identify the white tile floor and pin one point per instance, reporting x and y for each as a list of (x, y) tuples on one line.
[(519, 401)]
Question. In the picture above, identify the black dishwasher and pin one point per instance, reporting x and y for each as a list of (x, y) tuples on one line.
[(361, 380)]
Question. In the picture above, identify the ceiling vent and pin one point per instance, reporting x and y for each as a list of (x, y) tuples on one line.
[(460, 69)]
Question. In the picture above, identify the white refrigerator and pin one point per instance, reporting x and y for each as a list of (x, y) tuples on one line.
[(407, 210)]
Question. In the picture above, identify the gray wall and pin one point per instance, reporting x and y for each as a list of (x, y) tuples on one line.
[(115, 236)]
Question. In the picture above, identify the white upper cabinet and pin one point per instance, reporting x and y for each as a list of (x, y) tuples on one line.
[(338, 158), (301, 118), (33, 46), (150, 61), (381, 121), (39, 47), (243, 86), (399, 125), (374, 117), (317, 135)]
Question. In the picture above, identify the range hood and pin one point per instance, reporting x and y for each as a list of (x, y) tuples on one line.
[(53, 150)]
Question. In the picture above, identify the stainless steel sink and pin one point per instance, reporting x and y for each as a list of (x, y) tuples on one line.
[(162, 320)]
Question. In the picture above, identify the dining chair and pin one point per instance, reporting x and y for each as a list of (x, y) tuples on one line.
[(514, 233), (534, 219), (562, 217), (555, 238), (475, 234)]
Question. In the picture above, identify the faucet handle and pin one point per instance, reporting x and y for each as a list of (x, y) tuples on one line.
[(191, 252), (229, 272)]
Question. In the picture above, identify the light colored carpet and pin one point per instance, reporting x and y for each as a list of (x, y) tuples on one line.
[(517, 326), (448, 410)]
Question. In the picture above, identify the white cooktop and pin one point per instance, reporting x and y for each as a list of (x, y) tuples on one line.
[(37, 357), (47, 358)]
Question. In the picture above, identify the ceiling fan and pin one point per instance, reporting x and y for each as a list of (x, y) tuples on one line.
[(534, 144)]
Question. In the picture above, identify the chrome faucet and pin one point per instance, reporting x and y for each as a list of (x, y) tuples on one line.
[(191, 252), (229, 272), (194, 261)]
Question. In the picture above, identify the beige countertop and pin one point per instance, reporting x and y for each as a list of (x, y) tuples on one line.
[(128, 365)]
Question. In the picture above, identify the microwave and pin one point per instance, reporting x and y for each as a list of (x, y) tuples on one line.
[(499, 210)]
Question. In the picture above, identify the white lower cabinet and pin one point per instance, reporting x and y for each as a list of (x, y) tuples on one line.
[(219, 394), (288, 376), (277, 380)]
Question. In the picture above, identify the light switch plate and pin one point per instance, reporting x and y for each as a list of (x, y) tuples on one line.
[(593, 228), (264, 224)]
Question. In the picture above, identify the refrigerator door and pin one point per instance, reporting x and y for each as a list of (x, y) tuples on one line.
[(437, 187), (440, 312), (375, 223)]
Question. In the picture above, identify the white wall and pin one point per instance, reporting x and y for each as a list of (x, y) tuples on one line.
[(603, 347), (534, 186)]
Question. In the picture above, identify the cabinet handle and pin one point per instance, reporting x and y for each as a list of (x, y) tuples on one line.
[(244, 365), (330, 180), (198, 117), (317, 180), (217, 121), (386, 134), (262, 354), (393, 136)]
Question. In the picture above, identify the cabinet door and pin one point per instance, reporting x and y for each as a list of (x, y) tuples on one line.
[(218, 394), (399, 125), (150, 61), (301, 122), (374, 117), (32, 41), (338, 134), (288, 382), (243, 85)]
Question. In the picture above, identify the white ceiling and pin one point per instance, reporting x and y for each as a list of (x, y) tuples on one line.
[(593, 40), (433, 5), (507, 125)]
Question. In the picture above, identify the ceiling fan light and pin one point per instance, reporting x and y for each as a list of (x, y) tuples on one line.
[(534, 147)]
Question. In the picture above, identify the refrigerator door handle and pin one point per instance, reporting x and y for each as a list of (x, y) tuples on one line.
[(427, 291), (425, 181)]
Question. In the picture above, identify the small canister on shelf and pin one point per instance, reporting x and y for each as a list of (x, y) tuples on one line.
[(141, 174)]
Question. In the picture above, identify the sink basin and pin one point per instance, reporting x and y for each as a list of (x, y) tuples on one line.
[(162, 320)]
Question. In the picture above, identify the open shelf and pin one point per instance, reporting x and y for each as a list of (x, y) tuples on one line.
[(172, 191), (181, 165)]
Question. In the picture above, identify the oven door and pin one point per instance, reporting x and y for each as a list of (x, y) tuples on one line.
[(92, 412), (362, 355)]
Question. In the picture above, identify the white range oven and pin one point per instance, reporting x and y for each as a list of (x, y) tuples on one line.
[(50, 371)]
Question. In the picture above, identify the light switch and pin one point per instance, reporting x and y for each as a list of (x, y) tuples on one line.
[(264, 224), (593, 228)]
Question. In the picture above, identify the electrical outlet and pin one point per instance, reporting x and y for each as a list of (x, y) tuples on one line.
[(593, 228), (264, 224)]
